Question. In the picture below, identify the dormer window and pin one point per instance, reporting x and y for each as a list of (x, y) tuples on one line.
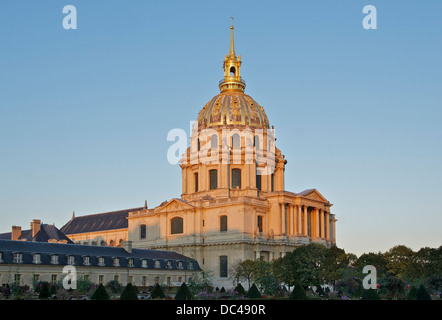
[(86, 260), (169, 264), (180, 265), (144, 263), (130, 262), (116, 262), (36, 258), (17, 257), (54, 259), (71, 260), (157, 264), (101, 261)]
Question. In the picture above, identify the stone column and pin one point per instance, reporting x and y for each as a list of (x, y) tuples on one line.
[(283, 231), (322, 223), (316, 223), (299, 232), (327, 221), (292, 220), (305, 229)]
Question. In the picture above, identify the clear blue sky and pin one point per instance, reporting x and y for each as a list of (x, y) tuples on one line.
[(84, 114)]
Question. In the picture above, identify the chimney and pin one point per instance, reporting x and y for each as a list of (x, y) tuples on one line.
[(35, 226), (127, 245), (16, 232)]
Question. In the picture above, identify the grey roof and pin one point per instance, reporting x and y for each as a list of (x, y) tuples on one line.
[(47, 232), (98, 222), (305, 192), (47, 249)]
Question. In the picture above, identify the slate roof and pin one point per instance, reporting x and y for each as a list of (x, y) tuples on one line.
[(47, 249), (47, 232), (305, 192), (98, 222)]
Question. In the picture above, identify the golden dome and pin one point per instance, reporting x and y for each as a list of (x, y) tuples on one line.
[(232, 106), (235, 108)]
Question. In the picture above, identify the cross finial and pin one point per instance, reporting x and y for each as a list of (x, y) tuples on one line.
[(232, 19)]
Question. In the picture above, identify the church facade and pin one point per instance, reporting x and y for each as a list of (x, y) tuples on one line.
[(233, 204)]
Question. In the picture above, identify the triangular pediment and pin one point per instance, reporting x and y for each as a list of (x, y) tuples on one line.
[(312, 194), (174, 205)]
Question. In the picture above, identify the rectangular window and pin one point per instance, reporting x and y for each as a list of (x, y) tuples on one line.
[(180, 265), (223, 266), (144, 281), (53, 279), (260, 228), (117, 278), (195, 176), (100, 279), (116, 262), (273, 182), (143, 231), (86, 260), (258, 181), (36, 279), (144, 263), (71, 260), (17, 278), (130, 262), (213, 174), (101, 261), (223, 223), (236, 178)]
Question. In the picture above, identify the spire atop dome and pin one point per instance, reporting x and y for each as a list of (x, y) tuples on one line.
[(232, 65), (232, 45)]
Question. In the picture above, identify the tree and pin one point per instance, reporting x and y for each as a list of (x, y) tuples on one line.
[(129, 293), (44, 290), (395, 286), (377, 260), (254, 293), (157, 293), (422, 293), (183, 293), (240, 289), (398, 259), (335, 261), (412, 294), (100, 293), (298, 293), (306, 263), (244, 271)]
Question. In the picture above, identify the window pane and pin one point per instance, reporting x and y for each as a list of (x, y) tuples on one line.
[(176, 225), (143, 231), (236, 141), (223, 266), (196, 181), (213, 179), (223, 223), (236, 178), (258, 181), (260, 223)]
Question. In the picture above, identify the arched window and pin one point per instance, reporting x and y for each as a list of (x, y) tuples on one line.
[(143, 231), (213, 175), (236, 141), (223, 223), (236, 178), (232, 71), (176, 225), (214, 142)]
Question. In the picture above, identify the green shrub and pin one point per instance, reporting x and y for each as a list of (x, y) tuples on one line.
[(254, 293), (183, 293), (370, 294), (44, 291), (240, 289), (100, 293), (129, 293), (298, 293), (412, 294), (422, 293), (157, 293)]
